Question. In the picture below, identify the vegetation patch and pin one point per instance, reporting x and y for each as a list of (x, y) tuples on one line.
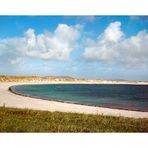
[(24, 120)]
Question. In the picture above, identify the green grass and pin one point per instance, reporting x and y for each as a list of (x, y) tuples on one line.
[(23, 120)]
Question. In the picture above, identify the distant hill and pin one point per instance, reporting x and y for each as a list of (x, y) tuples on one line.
[(58, 77), (4, 78)]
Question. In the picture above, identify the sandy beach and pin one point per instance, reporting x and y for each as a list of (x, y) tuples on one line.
[(9, 99)]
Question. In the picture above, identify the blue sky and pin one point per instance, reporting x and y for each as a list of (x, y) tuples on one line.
[(95, 47)]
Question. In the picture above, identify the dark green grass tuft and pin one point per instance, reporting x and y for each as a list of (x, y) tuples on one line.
[(23, 120)]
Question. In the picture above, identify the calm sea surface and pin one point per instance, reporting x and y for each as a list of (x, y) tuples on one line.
[(132, 97)]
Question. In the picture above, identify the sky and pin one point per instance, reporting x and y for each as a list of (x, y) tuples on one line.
[(94, 47)]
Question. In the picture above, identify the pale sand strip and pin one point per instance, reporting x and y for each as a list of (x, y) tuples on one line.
[(12, 100)]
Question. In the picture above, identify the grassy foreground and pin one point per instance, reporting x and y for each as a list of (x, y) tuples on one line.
[(23, 120)]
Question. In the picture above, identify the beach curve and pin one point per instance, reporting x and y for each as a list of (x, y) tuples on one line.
[(9, 99)]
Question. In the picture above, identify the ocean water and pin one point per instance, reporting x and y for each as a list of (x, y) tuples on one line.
[(131, 97)]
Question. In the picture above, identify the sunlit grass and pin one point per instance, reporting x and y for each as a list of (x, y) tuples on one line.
[(24, 120), (4, 78)]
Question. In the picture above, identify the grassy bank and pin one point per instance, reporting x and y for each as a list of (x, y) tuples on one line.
[(38, 79), (23, 120)]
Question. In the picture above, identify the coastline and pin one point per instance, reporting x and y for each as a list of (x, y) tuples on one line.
[(9, 99), (12, 89)]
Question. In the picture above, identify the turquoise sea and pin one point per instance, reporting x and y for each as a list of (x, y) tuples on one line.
[(131, 97)]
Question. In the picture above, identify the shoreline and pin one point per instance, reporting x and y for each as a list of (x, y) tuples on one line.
[(12, 89), (107, 82), (10, 99)]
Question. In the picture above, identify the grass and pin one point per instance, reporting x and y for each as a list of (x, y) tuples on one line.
[(24, 120), (4, 78)]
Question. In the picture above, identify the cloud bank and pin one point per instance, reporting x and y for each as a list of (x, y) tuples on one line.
[(112, 50), (113, 46), (56, 45)]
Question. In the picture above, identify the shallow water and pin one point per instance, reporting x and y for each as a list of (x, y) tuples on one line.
[(131, 97)]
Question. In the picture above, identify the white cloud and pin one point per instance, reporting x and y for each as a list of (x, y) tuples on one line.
[(112, 46), (16, 61), (104, 48), (112, 33), (55, 45), (134, 50)]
